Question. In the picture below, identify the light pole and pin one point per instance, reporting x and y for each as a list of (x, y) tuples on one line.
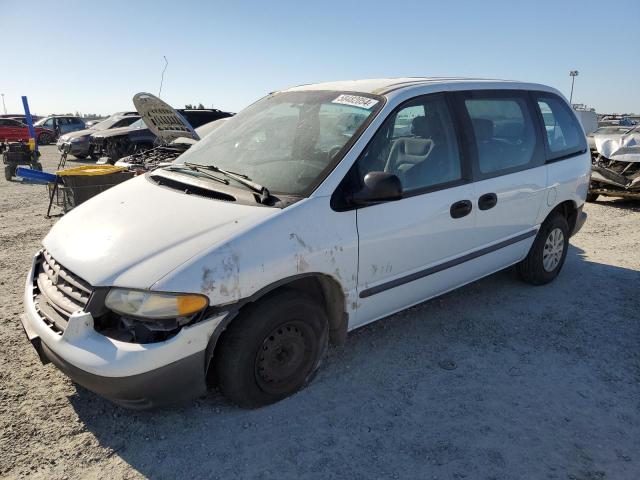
[(573, 74), (4, 107)]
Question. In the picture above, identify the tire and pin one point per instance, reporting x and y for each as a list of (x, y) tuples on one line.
[(592, 197), (272, 350), (92, 154), (545, 260), (8, 173), (44, 138), (36, 166), (80, 156)]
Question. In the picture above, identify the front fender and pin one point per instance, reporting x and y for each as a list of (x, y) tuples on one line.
[(307, 237)]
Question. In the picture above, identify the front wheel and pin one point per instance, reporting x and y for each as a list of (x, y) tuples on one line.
[(548, 252), (272, 350)]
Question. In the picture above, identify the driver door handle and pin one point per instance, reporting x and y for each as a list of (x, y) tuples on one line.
[(461, 209), (487, 201)]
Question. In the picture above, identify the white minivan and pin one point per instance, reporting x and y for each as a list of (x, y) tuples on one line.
[(314, 211)]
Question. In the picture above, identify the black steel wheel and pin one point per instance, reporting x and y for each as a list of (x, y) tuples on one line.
[(272, 349), (286, 351)]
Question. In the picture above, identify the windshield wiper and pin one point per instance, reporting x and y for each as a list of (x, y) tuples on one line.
[(199, 170), (238, 177)]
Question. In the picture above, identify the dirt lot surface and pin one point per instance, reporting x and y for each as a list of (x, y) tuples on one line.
[(497, 380)]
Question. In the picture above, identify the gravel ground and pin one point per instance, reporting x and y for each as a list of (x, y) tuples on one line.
[(497, 380)]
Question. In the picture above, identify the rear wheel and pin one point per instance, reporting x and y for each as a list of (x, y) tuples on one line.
[(80, 156), (36, 166), (548, 252), (8, 172), (44, 138), (272, 350)]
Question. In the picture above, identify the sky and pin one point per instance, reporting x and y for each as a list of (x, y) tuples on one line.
[(93, 56)]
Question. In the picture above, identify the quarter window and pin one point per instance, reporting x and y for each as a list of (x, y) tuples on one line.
[(504, 133), (418, 144), (564, 135)]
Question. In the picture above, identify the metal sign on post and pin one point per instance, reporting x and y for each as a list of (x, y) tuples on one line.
[(32, 131)]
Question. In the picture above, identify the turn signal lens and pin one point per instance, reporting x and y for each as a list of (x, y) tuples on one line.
[(154, 304)]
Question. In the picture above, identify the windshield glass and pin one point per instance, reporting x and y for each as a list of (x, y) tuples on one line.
[(138, 124), (106, 124), (609, 130), (288, 141)]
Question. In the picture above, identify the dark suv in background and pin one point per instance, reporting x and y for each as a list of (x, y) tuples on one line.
[(61, 124), (121, 142)]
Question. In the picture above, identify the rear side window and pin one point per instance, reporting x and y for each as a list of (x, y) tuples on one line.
[(563, 133), (504, 132)]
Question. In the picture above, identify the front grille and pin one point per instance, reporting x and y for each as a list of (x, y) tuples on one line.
[(58, 293)]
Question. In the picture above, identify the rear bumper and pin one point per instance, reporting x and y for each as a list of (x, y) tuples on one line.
[(130, 374), (581, 217)]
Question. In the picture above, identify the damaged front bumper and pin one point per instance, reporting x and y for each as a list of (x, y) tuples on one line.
[(132, 375), (74, 148)]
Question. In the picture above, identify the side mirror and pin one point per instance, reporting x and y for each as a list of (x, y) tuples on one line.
[(378, 187)]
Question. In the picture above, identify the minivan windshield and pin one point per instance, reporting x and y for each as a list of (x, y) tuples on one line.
[(287, 142)]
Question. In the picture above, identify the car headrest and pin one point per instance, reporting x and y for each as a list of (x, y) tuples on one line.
[(483, 128), (419, 127)]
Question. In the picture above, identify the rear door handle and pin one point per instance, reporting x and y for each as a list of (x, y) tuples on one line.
[(487, 201), (461, 209)]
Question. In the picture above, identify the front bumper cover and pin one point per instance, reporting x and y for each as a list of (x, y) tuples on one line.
[(75, 148), (130, 374)]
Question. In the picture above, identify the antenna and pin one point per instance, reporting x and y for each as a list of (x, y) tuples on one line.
[(166, 64)]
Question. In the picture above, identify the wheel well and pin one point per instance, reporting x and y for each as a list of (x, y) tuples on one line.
[(568, 210), (324, 289), (328, 293)]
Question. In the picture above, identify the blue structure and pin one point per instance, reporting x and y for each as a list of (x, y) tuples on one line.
[(27, 113)]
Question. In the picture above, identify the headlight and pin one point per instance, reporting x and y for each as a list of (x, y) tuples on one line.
[(154, 304)]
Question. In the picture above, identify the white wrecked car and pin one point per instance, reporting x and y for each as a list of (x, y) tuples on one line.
[(616, 165), (314, 211), (174, 138)]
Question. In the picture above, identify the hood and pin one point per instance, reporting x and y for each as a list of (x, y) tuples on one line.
[(115, 132), (137, 232), (622, 148), (77, 133), (165, 122)]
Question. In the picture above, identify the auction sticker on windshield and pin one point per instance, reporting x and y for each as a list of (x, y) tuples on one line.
[(356, 101)]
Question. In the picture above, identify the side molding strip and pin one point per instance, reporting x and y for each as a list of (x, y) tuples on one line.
[(443, 266)]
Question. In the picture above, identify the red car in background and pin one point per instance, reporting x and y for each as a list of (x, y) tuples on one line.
[(14, 130)]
